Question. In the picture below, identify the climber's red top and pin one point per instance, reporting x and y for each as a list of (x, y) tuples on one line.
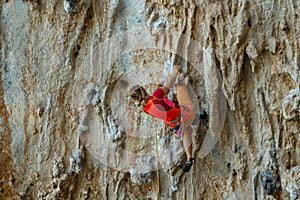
[(159, 106)]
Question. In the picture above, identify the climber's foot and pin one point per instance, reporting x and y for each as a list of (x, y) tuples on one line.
[(203, 115), (188, 165)]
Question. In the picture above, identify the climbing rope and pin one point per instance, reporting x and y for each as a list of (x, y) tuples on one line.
[(157, 172)]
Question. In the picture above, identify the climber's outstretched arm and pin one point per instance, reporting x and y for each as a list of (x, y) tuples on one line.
[(170, 82), (171, 79)]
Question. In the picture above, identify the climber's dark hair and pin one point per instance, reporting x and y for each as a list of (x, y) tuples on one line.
[(138, 94)]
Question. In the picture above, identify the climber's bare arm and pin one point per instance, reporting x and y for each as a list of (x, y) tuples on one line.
[(171, 79)]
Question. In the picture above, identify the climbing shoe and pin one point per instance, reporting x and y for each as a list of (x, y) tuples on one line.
[(188, 165), (201, 116)]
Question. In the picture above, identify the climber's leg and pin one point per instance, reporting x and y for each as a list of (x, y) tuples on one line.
[(187, 141), (187, 115)]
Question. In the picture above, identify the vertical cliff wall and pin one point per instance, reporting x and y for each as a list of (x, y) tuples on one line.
[(68, 129)]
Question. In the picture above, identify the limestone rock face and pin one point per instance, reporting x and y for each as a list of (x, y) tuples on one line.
[(68, 129)]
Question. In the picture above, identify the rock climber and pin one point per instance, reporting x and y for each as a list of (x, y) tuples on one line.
[(178, 116)]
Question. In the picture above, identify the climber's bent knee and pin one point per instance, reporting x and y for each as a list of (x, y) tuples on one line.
[(183, 95)]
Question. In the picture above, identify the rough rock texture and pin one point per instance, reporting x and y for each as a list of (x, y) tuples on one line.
[(69, 131)]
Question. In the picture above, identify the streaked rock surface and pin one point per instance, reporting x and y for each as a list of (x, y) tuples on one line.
[(68, 129)]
